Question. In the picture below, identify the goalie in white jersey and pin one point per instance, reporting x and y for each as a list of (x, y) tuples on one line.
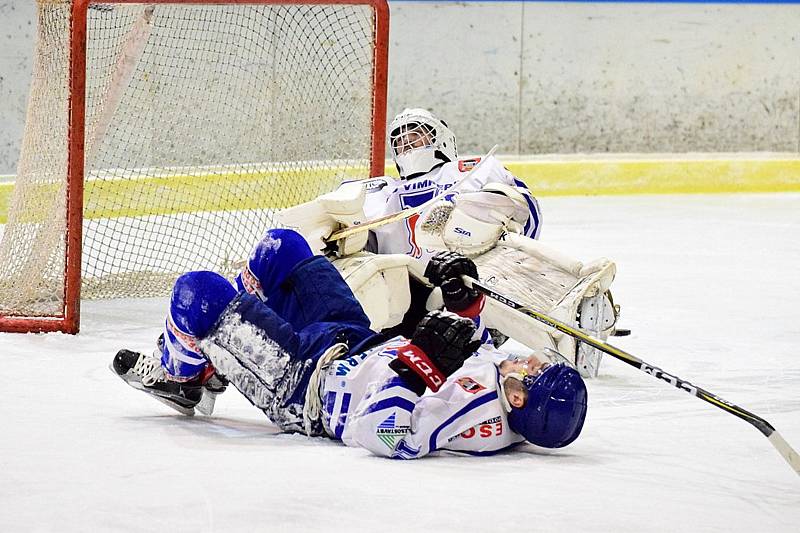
[(424, 151), (483, 212), (295, 342)]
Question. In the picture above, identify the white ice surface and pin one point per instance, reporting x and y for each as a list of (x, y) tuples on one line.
[(708, 284)]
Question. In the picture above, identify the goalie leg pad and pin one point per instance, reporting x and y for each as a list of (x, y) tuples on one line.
[(559, 286), (256, 352), (380, 283), (597, 316)]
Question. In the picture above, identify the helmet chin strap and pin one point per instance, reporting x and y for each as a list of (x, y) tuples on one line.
[(503, 396)]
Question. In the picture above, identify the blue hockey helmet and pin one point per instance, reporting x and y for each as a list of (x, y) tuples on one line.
[(273, 257), (198, 300), (555, 409)]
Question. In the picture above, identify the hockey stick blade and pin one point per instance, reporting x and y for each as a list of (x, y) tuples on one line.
[(406, 213), (785, 450), (780, 444)]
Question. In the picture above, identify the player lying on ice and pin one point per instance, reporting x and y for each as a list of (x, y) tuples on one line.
[(492, 218), (298, 345)]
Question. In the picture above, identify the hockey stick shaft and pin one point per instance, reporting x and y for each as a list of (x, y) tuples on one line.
[(406, 213), (783, 447)]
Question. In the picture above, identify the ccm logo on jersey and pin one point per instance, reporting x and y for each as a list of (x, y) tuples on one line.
[(465, 165), (470, 385)]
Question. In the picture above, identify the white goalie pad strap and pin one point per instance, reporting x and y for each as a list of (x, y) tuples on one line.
[(317, 219), (596, 316), (312, 407), (380, 284)]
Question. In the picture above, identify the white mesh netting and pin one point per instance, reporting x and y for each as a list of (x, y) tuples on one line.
[(201, 121)]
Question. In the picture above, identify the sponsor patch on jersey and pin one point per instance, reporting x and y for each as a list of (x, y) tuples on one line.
[(375, 185), (470, 385), (388, 433), (465, 165)]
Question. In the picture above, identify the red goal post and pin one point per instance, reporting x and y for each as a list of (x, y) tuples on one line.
[(162, 136)]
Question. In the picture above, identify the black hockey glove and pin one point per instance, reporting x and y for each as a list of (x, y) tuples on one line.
[(446, 265), (445, 270), (440, 345)]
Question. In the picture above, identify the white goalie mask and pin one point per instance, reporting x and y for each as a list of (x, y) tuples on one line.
[(420, 142)]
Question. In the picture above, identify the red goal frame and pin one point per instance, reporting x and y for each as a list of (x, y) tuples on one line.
[(69, 320)]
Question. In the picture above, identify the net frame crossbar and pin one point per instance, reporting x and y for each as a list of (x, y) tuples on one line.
[(69, 320)]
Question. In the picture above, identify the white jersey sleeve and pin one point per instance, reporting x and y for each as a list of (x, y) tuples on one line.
[(368, 405), (386, 195)]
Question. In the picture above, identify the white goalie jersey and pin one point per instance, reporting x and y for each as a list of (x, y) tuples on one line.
[(366, 404), (386, 195)]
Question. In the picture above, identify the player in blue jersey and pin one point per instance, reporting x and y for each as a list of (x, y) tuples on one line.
[(297, 344)]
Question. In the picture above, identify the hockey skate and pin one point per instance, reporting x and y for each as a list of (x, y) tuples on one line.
[(145, 373)]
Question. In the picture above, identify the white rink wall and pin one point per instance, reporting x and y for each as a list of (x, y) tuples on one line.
[(558, 77), (580, 77), (17, 38)]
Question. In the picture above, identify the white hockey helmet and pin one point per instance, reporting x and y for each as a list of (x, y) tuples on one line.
[(420, 142)]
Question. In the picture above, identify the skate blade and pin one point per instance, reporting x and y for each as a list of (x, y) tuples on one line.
[(188, 411)]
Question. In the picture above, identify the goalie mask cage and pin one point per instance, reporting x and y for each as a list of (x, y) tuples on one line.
[(164, 135)]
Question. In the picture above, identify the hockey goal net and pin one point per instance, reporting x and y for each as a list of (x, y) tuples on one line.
[(163, 136)]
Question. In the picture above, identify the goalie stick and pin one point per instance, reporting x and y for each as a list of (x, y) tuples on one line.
[(780, 444), (405, 213)]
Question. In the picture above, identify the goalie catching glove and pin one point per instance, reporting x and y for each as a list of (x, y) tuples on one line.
[(472, 222), (445, 270), (440, 345)]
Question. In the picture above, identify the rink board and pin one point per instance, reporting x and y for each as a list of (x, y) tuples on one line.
[(554, 176)]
